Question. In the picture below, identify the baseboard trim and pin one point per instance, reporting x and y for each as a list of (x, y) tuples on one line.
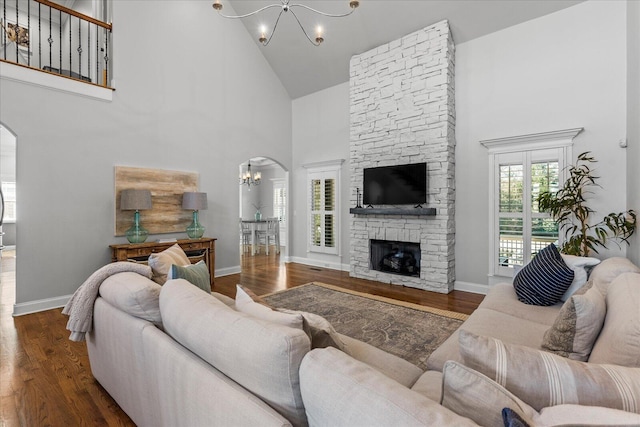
[(475, 288), (319, 263), (228, 271), (29, 307)]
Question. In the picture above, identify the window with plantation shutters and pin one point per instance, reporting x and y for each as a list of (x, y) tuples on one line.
[(323, 184), (519, 172)]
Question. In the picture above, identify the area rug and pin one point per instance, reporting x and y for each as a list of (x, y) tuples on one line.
[(409, 331)]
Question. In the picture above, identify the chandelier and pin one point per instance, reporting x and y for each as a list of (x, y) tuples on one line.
[(250, 179), (289, 7)]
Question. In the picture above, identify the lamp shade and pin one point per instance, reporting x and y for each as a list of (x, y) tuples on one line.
[(131, 200), (194, 201)]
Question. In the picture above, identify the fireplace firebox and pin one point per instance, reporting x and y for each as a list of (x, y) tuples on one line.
[(394, 257)]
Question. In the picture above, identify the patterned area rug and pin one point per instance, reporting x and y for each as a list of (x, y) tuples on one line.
[(407, 330)]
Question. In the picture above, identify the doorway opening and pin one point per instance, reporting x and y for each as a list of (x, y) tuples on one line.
[(263, 211), (8, 204)]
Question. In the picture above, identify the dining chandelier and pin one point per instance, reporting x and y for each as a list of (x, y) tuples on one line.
[(285, 6), (250, 179)]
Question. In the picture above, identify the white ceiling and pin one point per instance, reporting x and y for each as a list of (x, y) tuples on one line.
[(304, 69)]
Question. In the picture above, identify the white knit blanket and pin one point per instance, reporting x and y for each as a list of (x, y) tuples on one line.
[(80, 306)]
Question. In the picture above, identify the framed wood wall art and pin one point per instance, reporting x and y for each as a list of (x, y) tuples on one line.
[(167, 215)]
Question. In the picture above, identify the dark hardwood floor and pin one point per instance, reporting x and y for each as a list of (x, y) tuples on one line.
[(45, 379)]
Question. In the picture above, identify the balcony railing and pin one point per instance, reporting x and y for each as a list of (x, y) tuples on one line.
[(51, 38), (511, 250)]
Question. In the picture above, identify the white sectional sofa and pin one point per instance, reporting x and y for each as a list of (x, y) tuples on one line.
[(176, 356)]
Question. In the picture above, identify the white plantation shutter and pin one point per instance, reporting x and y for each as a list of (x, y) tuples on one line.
[(323, 184)]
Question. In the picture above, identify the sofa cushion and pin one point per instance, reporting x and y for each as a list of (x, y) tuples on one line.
[(509, 328), (603, 274), (261, 356), (579, 265), (473, 395), (246, 304), (619, 340), (429, 385), (161, 262), (502, 297), (391, 365), (577, 326), (134, 294), (575, 415), (545, 279), (196, 274), (543, 379), (340, 391)]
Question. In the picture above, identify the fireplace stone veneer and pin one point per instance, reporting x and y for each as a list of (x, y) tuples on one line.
[(402, 111)]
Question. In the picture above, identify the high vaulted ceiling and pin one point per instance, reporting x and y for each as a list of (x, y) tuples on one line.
[(304, 68)]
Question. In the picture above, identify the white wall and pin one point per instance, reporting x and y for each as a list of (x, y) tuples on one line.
[(320, 133), (633, 121), (563, 70), (193, 93)]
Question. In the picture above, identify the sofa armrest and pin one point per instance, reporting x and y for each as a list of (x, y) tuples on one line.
[(397, 369), (338, 390)]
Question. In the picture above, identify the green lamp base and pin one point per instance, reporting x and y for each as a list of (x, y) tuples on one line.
[(195, 230)]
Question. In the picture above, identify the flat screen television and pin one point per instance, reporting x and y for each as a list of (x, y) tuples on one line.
[(395, 185)]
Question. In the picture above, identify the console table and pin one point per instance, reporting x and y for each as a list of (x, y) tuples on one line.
[(196, 249)]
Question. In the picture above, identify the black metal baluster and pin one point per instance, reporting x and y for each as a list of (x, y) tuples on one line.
[(106, 57), (70, 44), (89, 50), (50, 40), (4, 30), (29, 33), (60, 43), (97, 54), (39, 35), (80, 47), (16, 29)]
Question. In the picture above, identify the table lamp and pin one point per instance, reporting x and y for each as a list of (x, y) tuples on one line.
[(136, 200), (194, 201)]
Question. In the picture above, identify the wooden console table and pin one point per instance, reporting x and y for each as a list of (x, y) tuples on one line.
[(196, 249)]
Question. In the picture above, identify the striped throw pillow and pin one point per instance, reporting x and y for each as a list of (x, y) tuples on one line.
[(545, 279), (196, 274), (544, 379)]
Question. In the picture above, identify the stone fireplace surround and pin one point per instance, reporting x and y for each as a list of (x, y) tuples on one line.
[(402, 111)]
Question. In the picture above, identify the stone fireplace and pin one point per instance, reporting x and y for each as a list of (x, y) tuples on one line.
[(402, 111)]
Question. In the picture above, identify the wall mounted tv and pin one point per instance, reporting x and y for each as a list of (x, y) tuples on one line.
[(395, 185)]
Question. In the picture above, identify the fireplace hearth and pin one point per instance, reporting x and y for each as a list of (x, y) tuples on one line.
[(393, 257)]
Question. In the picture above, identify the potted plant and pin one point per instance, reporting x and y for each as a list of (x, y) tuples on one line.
[(568, 207)]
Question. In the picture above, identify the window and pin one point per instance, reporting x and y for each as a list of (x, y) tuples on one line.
[(519, 172), (279, 200), (323, 184), (9, 193)]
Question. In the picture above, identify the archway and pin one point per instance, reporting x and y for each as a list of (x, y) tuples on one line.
[(269, 196)]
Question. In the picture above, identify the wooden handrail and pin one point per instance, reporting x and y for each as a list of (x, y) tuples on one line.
[(76, 14)]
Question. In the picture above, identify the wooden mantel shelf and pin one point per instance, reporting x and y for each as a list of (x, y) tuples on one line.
[(394, 211)]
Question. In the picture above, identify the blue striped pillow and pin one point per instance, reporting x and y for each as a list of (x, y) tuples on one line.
[(544, 280)]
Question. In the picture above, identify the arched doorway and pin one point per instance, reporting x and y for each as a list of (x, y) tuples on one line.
[(8, 143), (268, 195)]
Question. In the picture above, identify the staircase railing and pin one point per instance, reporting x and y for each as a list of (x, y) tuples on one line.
[(51, 38)]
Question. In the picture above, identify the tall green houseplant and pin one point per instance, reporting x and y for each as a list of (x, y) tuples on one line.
[(568, 207)]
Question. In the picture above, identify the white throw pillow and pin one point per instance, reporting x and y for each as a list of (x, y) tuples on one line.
[(577, 264), (246, 304)]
